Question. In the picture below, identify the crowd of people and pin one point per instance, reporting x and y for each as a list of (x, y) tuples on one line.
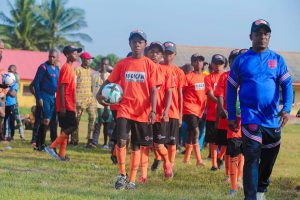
[(230, 104)]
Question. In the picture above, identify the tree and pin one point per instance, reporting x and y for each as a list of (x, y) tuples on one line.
[(113, 59), (23, 29), (41, 27), (63, 23)]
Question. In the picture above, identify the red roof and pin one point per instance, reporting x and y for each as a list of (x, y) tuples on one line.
[(27, 62)]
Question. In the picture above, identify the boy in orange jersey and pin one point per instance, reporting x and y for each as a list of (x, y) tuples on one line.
[(138, 77), (234, 160), (218, 62), (164, 100), (194, 99), (175, 113), (65, 103)]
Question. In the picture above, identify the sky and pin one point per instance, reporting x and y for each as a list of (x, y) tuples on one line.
[(218, 23)]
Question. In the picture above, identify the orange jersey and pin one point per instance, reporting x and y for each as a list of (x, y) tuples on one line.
[(179, 79), (67, 77), (238, 134), (210, 85), (136, 77), (167, 80), (221, 92), (194, 96)]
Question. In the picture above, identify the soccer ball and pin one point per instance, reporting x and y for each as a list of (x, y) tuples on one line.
[(8, 78), (113, 93)]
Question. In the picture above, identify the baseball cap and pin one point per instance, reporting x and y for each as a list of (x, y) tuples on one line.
[(260, 23), (69, 49), (196, 56), (86, 55), (170, 46), (218, 58), (233, 54), (156, 44), (140, 33)]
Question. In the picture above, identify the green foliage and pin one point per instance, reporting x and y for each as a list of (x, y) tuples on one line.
[(28, 174), (33, 26), (113, 59)]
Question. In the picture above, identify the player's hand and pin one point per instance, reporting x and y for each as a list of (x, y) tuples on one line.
[(223, 114), (62, 112), (232, 125), (152, 117), (284, 118), (216, 125), (41, 103), (102, 100), (165, 116)]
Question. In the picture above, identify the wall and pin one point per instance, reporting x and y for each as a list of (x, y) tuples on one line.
[(25, 98)]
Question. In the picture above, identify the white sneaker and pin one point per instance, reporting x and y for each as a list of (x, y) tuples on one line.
[(260, 196), (105, 147)]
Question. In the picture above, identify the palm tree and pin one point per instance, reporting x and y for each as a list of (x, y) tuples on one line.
[(63, 23), (23, 29)]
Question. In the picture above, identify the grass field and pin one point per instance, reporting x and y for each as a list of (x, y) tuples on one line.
[(27, 174)]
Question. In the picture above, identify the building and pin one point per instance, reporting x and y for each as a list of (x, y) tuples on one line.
[(292, 59), (27, 63)]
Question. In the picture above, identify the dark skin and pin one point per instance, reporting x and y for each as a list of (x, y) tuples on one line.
[(156, 55), (52, 58), (260, 42), (169, 57), (137, 45), (198, 65)]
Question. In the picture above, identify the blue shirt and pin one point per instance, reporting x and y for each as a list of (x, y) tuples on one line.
[(259, 77), (45, 80), (9, 101)]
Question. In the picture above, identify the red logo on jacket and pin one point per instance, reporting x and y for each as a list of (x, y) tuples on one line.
[(272, 64)]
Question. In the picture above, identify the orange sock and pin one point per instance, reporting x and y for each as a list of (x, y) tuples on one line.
[(188, 152), (233, 172), (162, 150), (241, 161), (63, 147), (214, 154), (227, 164), (197, 152), (59, 140), (144, 161), (222, 152), (156, 154), (172, 152), (121, 156), (135, 159)]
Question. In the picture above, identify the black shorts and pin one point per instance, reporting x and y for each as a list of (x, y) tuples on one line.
[(192, 122), (210, 132), (173, 131), (221, 137), (113, 137), (160, 133), (141, 132), (234, 147), (68, 121)]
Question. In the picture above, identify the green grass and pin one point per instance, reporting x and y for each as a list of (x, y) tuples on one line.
[(27, 174)]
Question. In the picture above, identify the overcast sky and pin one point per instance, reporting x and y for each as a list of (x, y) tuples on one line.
[(221, 23)]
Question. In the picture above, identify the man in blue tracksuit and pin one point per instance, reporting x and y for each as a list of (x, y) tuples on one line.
[(45, 85), (259, 73)]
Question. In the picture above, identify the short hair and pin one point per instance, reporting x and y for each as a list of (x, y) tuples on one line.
[(51, 51), (11, 66), (105, 58)]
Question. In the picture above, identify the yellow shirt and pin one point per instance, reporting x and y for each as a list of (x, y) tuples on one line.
[(98, 80), (84, 93)]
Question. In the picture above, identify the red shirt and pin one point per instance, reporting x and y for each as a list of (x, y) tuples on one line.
[(167, 80), (67, 77), (136, 77), (179, 79), (238, 134), (194, 96), (221, 92), (210, 85)]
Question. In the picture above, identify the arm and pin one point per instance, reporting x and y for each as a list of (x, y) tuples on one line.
[(287, 93), (168, 103), (101, 99), (38, 78), (62, 99), (220, 104), (180, 105), (153, 101), (211, 95)]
